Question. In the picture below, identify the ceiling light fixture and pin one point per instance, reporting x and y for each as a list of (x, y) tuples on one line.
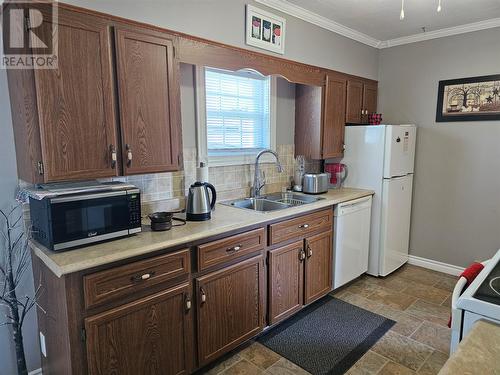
[(402, 14), (439, 6)]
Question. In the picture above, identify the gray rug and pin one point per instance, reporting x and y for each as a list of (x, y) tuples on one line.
[(327, 337)]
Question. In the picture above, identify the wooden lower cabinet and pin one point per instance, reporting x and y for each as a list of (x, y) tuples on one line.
[(230, 308), (286, 281), (152, 335), (318, 266)]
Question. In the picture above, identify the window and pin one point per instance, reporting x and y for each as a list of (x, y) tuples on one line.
[(235, 115)]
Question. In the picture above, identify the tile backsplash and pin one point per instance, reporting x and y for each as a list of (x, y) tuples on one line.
[(167, 191)]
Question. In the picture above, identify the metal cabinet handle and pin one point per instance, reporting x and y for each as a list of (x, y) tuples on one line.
[(203, 296), (309, 251), (129, 154), (304, 226), (112, 150), (143, 277), (234, 248), (302, 255), (188, 302)]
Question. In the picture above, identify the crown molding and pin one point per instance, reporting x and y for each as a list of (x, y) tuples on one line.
[(441, 33), (326, 23), (323, 22)]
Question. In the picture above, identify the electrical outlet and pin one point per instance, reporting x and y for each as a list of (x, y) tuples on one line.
[(43, 348)]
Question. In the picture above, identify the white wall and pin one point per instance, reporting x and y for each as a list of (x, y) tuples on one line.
[(456, 206), (220, 20)]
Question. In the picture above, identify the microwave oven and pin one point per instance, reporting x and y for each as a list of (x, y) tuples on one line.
[(68, 221)]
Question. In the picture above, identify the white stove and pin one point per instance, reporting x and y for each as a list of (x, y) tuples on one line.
[(481, 300)]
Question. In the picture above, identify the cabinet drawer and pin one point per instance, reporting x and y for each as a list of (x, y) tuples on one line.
[(300, 226), (109, 285), (227, 249)]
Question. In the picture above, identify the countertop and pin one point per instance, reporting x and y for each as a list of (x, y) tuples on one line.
[(478, 353), (224, 219)]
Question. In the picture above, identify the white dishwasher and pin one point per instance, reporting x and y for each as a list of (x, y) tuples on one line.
[(351, 240)]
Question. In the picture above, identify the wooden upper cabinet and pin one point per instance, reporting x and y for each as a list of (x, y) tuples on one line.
[(320, 116), (230, 308), (354, 105), (286, 281), (370, 93), (334, 117), (70, 132), (149, 101), (308, 121), (152, 335), (361, 101)]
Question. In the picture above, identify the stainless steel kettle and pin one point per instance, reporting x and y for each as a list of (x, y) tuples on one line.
[(199, 206)]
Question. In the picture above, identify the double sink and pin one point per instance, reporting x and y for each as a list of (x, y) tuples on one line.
[(273, 202)]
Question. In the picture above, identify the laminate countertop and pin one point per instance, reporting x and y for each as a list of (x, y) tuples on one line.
[(478, 353), (224, 219)]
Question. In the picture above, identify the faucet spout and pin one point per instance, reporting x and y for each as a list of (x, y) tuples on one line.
[(258, 184)]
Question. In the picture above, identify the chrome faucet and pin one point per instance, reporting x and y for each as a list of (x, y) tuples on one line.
[(259, 183)]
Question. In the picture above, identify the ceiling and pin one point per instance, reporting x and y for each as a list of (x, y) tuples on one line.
[(377, 23)]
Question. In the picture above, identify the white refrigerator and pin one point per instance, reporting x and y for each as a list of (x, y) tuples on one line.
[(381, 158)]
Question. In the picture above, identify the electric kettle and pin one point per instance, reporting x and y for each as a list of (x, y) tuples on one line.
[(199, 206)]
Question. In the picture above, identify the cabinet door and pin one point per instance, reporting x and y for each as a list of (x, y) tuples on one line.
[(286, 272), (230, 308), (318, 273), (354, 104), (308, 120), (150, 336), (370, 92), (334, 117), (148, 86), (75, 101)]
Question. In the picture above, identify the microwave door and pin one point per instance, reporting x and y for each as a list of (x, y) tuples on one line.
[(89, 220)]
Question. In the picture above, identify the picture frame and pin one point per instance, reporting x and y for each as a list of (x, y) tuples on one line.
[(469, 99), (265, 30)]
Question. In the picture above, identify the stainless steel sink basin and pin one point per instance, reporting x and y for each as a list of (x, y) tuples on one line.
[(258, 204), (273, 202), (293, 199)]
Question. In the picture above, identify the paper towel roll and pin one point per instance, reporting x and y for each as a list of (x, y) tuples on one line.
[(202, 173)]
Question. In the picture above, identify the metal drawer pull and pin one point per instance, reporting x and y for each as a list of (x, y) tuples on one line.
[(234, 249), (144, 276), (129, 154), (305, 226), (203, 296)]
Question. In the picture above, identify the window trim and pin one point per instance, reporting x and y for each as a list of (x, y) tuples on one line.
[(237, 157)]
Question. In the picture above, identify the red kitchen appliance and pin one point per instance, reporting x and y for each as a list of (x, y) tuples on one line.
[(338, 174)]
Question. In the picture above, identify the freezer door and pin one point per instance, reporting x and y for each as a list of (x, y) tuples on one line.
[(395, 223), (399, 150), (364, 156)]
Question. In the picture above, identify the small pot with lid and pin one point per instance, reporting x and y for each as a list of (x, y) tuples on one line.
[(161, 221)]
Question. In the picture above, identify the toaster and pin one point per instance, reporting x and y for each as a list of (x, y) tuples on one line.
[(315, 183)]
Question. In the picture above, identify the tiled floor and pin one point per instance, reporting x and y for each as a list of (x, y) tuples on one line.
[(416, 298)]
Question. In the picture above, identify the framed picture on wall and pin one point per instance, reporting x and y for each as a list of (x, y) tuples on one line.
[(265, 30), (469, 99)]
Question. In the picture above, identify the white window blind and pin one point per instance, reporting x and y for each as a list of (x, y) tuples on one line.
[(237, 111)]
